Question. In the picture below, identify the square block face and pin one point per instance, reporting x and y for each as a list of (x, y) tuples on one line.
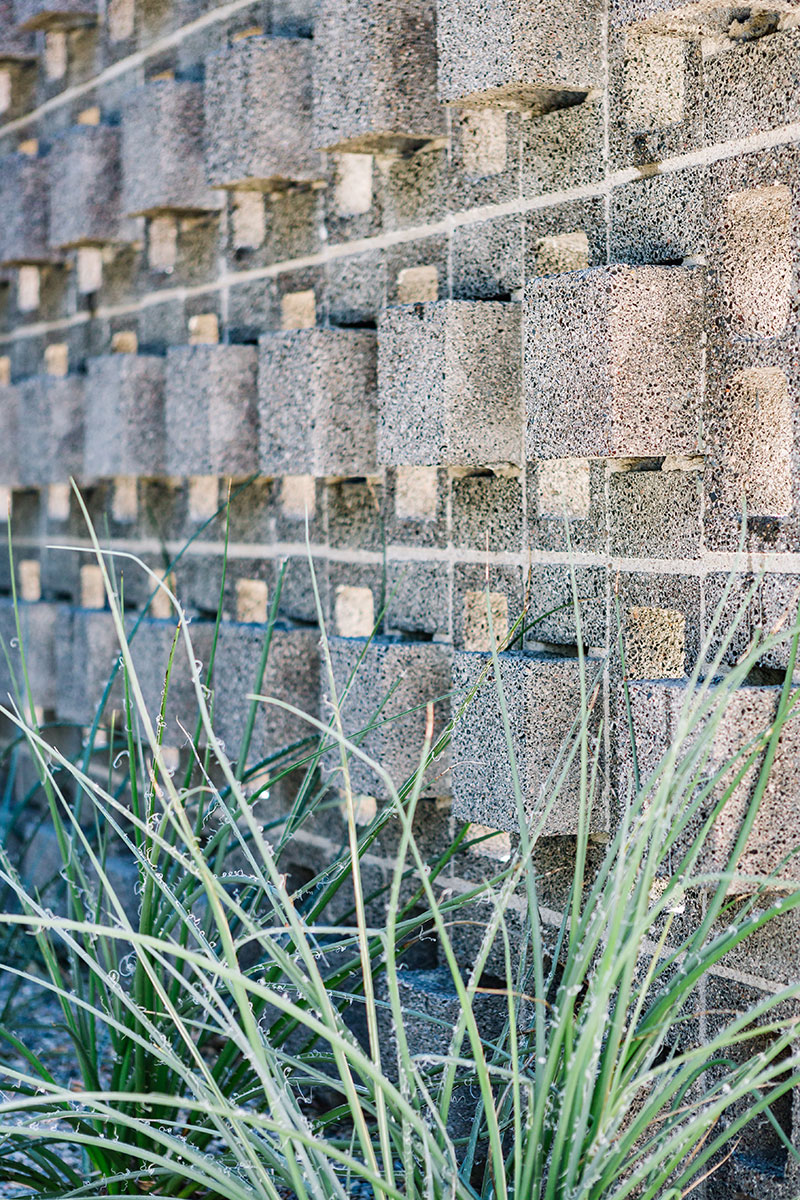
[(162, 150), (756, 260), (375, 75), (14, 46), (9, 444), (391, 680), (317, 397), (53, 14), (449, 384), (613, 362), (24, 202), (125, 426), (258, 100), (86, 649), (51, 429), (518, 54), (38, 628), (85, 181), (700, 18), (212, 421), (291, 675), (542, 696)]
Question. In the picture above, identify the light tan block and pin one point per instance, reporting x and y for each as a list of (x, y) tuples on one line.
[(355, 612), (477, 630)]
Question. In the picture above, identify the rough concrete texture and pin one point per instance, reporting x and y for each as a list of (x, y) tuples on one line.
[(15, 46), (258, 102), (85, 181), (162, 150), (151, 650), (375, 75), (125, 423), (211, 417), (449, 384), (516, 55), (317, 402), (613, 362), (51, 429), (542, 696), (31, 15), (391, 683), (24, 200), (87, 649), (37, 627), (707, 17)]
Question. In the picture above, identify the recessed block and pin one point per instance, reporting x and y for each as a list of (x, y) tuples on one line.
[(54, 14), (517, 54), (24, 202), (317, 399), (258, 101), (85, 179), (211, 410), (162, 150), (50, 429), (393, 683), (449, 384), (375, 75), (542, 695), (125, 425), (613, 362)]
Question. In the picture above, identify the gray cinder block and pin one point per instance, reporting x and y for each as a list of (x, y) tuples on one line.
[(125, 426), (258, 102), (291, 675), (150, 651), (375, 75), (699, 17), (211, 410), (317, 397), (162, 150), (54, 14), (613, 362), (9, 444), (542, 695), (37, 624), (391, 688), (517, 54), (14, 45), (449, 384), (85, 178), (86, 649), (51, 429), (24, 202)]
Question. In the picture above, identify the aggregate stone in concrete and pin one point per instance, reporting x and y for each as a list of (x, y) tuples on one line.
[(86, 649), (655, 513), (162, 150), (150, 650), (449, 384), (14, 45), (518, 55), (51, 429), (212, 426), (292, 675), (375, 75), (702, 17), (487, 258), (37, 623), (125, 425), (32, 15), (752, 87), (24, 202), (393, 683), (258, 101), (9, 445), (85, 180), (317, 402), (613, 362), (542, 695)]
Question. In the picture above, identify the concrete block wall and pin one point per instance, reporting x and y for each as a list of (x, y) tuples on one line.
[(472, 291)]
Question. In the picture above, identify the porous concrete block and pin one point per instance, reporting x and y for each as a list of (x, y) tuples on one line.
[(125, 424), (51, 429), (702, 18), (211, 410), (519, 55), (292, 675), (613, 362), (317, 398), (87, 648), (37, 627), (24, 202), (54, 14), (9, 444), (258, 102), (542, 695), (752, 88), (163, 168), (14, 45), (449, 384), (85, 180), (150, 648), (656, 513), (375, 75), (392, 684)]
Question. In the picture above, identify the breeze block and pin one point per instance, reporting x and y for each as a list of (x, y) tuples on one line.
[(211, 416), (24, 202), (35, 15), (50, 429), (125, 424), (85, 180)]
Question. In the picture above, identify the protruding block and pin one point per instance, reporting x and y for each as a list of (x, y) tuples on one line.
[(211, 410), (85, 179), (24, 202), (542, 695), (50, 429), (704, 18), (393, 683), (9, 443), (87, 648), (450, 384), (375, 75), (150, 650), (38, 628), (317, 396), (518, 54), (162, 151), (54, 14), (125, 425), (613, 361), (14, 45), (258, 102)]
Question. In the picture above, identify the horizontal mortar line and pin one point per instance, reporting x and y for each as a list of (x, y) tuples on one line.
[(123, 65)]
